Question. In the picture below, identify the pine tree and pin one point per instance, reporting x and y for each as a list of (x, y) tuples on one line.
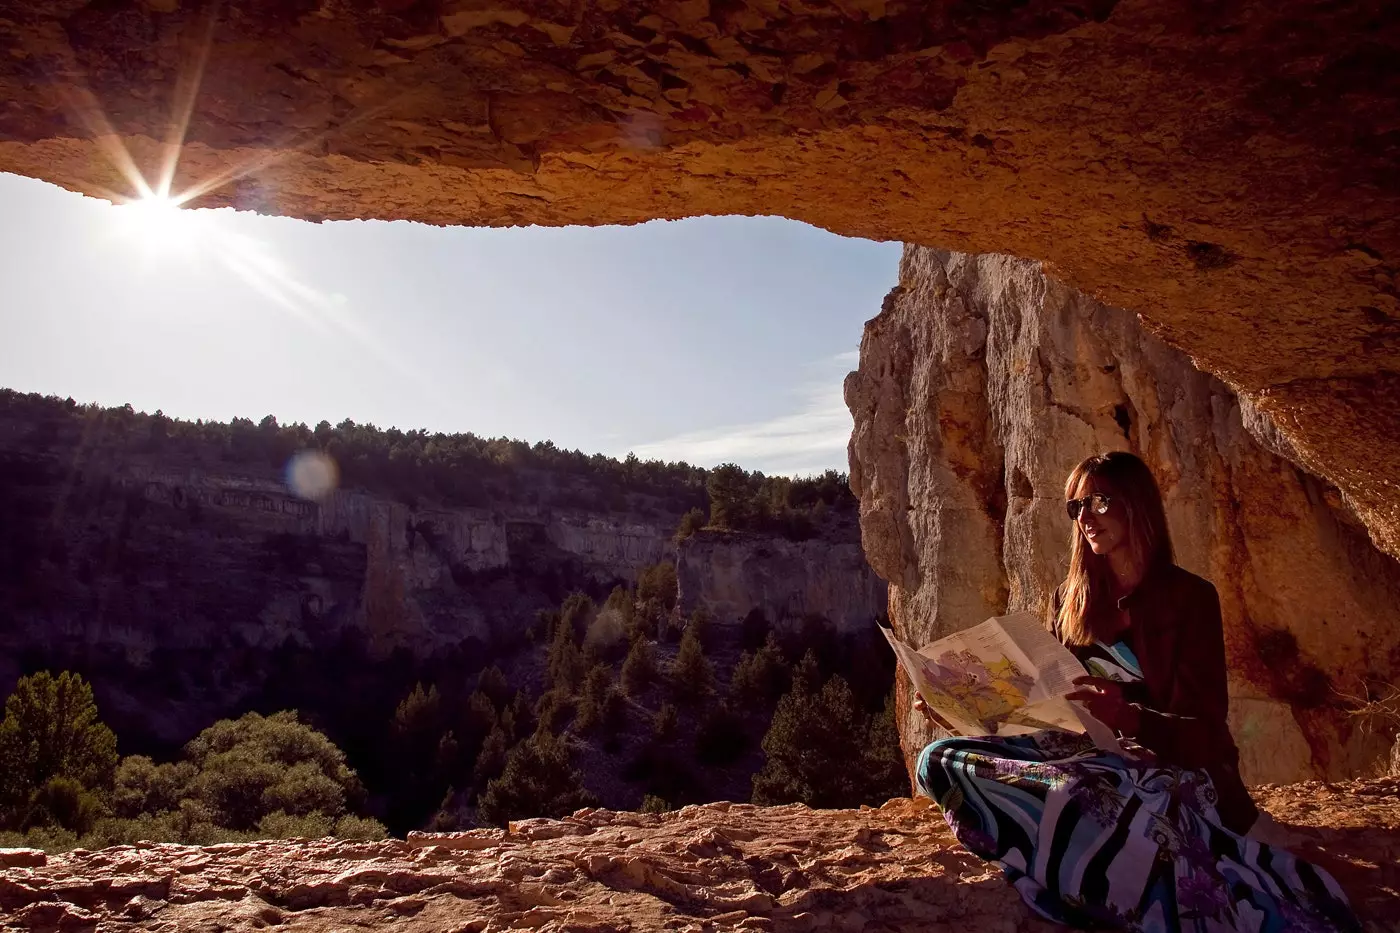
[(639, 670), (810, 747), (761, 676), (691, 674), (731, 504), (52, 731), (538, 780)]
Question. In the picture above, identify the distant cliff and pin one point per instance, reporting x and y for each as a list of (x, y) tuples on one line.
[(827, 576), (172, 564)]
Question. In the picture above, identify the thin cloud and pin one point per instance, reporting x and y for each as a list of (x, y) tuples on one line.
[(809, 440)]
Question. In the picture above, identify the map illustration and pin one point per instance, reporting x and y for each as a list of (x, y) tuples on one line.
[(989, 692)]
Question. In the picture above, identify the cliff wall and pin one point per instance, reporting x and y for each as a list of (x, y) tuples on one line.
[(729, 574), (984, 380), (189, 585)]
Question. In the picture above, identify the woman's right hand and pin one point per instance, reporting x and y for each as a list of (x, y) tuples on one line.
[(922, 708)]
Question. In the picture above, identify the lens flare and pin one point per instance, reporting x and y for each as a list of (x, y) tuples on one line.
[(312, 474), (157, 224)]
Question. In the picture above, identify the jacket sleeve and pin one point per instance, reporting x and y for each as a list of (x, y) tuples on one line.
[(1188, 730)]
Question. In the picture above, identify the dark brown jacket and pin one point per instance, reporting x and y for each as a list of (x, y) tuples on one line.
[(1175, 630)]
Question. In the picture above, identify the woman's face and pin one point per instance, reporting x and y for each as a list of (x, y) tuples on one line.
[(1104, 533)]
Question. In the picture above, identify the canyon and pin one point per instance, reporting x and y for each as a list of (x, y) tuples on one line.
[(189, 586)]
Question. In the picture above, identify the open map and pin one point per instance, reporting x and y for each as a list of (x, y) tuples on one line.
[(1007, 676)]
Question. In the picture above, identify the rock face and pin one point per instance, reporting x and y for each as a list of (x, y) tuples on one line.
[(188, 587), (1226, 170), (729, 574), (716, 867), (981, 384)]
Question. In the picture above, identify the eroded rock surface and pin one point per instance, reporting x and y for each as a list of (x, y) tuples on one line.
[(1226, 170), (825, 576), (714, 867), (985, 380)]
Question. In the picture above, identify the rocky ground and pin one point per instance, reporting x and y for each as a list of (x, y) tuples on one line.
[(719, 866)]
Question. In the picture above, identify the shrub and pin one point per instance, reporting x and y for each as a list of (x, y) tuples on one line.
[(654, 804), (255, 765), (691, 522), (142, 786), (280, 825), (663, 724), (607, 635)]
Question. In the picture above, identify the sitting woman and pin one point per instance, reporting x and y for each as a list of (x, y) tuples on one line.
[(1157, 840)]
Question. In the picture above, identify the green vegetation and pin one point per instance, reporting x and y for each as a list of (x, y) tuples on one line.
[(451, 469), (824, 751), (537, 781), (743, 501), (57, 759), (256, 777)]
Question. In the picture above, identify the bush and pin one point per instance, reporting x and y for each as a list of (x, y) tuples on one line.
[(663, 724), (654, 804), (691, 522), (639, 670), (255, 765), (280, 825), (607, 635), (538, 780)]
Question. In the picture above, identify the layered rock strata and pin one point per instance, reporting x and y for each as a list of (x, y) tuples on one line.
[(984, 380), (188, 587), (716, 867), (824, 577), (1226, 170)]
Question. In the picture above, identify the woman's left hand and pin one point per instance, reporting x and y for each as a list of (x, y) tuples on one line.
[(1106, 702)]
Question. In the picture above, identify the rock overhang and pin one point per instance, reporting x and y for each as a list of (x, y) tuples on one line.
[(1227, 171)]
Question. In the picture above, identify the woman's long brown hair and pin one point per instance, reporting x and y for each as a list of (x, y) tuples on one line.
[(1087, 608)]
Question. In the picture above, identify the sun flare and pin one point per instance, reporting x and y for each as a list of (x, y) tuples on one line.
[(156, 223)]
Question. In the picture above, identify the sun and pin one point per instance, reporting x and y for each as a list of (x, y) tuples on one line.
[(157, 224)]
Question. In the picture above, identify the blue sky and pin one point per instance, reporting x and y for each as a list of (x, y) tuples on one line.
[(707, 340)]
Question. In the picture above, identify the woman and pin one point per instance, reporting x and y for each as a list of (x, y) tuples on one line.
[(1156, 840)]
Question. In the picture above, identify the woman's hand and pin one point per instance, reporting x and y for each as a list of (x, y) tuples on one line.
[(1105, 701), (922, 708)]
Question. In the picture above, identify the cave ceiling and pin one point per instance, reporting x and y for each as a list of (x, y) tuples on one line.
[(1226, 170)]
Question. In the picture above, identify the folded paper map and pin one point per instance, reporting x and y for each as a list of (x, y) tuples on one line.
[(1007, 676)]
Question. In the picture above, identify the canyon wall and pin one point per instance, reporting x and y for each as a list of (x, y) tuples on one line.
[(984, 380), (826, 576), (190, 585)]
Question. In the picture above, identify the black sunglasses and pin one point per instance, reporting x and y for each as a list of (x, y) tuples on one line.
[(1097, 503)]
